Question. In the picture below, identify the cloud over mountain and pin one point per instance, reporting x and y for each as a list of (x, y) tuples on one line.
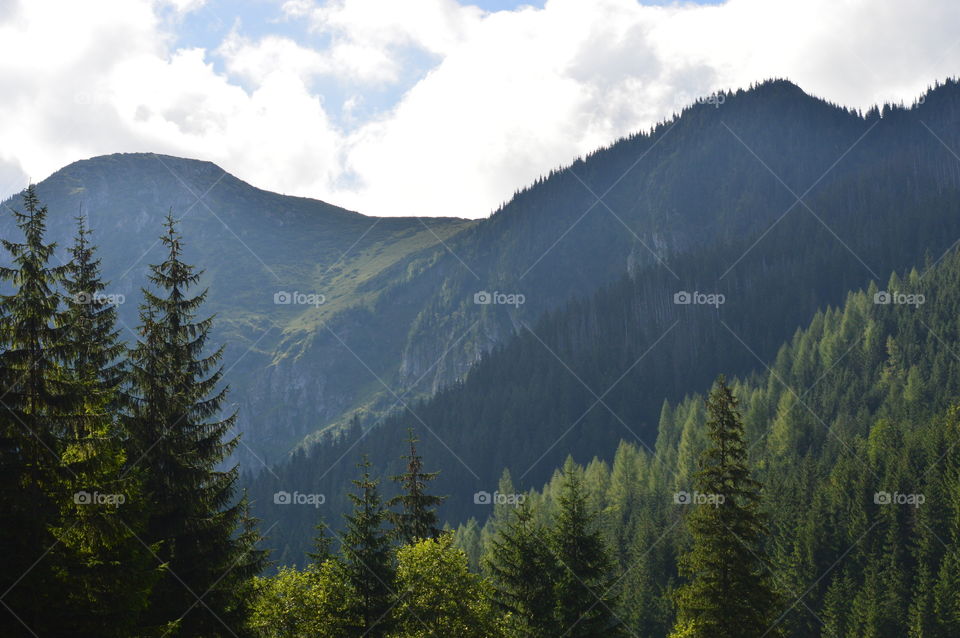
[(422, 106)]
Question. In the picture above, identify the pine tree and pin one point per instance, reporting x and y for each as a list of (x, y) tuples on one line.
[(522, 571), (947, 587), (321, 545), (728, 593), (584, 588), (108, 571), (34, 403), (204, 530), (417, 518), (367, 558)]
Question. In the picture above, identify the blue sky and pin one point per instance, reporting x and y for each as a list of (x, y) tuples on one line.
[(208, 25)]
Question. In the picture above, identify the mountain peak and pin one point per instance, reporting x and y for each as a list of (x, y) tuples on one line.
[(141, 163)]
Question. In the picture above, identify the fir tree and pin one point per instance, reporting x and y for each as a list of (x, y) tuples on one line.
[(108, 570), (417, 518), (206, 538), (321, 545), (584, 587), (728, 593), (35, 400), (367, 558), (522, 571)]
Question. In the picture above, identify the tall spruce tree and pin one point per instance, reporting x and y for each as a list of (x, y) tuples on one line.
[(108, 571), (417, 518), (584, 588), (728, 592), (35, 400), (522, 571), (367, 559), (205, 537)]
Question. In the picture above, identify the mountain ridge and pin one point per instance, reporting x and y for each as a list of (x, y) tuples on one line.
[(400, 305), (894, 203)]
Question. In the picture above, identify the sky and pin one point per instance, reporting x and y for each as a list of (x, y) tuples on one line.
[(422, 107)]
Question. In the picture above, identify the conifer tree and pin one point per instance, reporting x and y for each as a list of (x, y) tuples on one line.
[(34, 402), (500, 517), (206, 538), (367, 558), (947, 588), (728, 592), (417, 518), (108, 570), (522, 571), (321, 545), (584, 588)]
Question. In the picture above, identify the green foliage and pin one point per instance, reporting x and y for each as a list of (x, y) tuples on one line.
[(367, 561), (109, 570), (417, 518), (584, 587), (205, 538), (286, 605), (729, 591), (312, 603), (86, 497), (523, 571), (438, 595), (37, 402)]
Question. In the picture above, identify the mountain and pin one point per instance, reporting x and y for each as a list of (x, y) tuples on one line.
[(853, 432), (251, 245), (881, 192), (400, 320)]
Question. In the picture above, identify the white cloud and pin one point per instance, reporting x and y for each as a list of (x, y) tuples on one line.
[(504, 97), (256, 61)]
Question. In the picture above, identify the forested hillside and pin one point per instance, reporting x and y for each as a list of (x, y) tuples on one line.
[(852, 437), (853, 431), (598, 370)]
